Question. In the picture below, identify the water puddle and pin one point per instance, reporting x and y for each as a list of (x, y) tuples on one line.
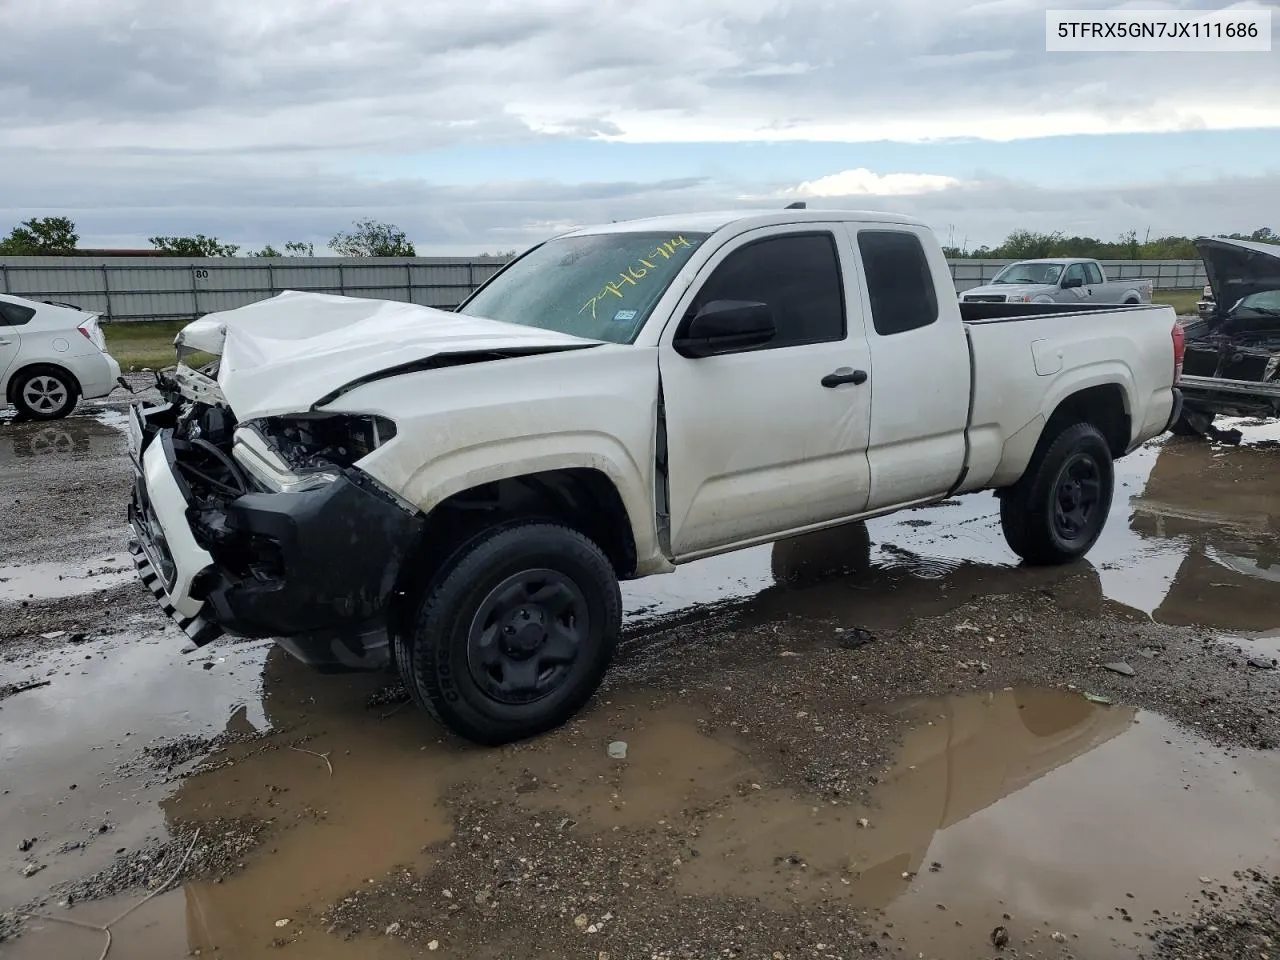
[(52, 581), (63, 746), (1067, 817), (1032, 809)]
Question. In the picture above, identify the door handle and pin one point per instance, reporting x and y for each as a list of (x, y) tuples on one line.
[(4, 342), (844, 375)]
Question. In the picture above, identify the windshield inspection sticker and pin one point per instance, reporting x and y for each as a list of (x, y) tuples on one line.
[(624, 315)]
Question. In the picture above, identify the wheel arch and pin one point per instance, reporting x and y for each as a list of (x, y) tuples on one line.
[(1104, 403), (584, 499)]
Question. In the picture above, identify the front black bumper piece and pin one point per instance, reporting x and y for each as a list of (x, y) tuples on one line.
[(315, 570)]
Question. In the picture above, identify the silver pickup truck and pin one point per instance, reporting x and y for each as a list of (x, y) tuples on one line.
[(1058, 280)]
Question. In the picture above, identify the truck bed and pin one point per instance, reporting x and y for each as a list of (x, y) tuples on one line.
[(1020, 370)]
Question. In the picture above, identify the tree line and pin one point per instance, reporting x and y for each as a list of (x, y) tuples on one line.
[(1030, 245), (57, 236)]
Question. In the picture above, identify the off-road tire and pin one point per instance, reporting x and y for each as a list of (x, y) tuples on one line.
[(433, 656), (1028, 514), (70, 392)]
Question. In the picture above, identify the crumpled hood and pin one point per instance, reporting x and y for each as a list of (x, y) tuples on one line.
[(285, 354), (1009, 289), (1238, 268)]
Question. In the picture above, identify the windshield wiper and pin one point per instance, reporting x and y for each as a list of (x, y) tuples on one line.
[(1263, 311)]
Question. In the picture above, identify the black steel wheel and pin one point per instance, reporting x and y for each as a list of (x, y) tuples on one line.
[(1077, 497), (1055, 513), (514, 636), (526, 635)]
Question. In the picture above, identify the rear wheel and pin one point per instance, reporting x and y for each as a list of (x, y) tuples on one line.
[(515, 635), (1055, 513), (45, 393)]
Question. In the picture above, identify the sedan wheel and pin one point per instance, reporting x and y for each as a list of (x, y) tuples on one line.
[(45, 395)]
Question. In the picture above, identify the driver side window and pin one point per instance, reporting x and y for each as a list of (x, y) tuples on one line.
[(797, 276), (1075, 272)]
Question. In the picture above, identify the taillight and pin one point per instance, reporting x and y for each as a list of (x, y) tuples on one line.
[(85, 330), (1179, 351)]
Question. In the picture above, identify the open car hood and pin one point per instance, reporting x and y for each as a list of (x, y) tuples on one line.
[(289, 353), (1238, 268)]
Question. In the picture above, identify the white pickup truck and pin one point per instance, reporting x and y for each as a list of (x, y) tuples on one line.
[(1071, 280), (458, 494)]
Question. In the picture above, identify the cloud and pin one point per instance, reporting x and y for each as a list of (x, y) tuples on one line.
[(140, 117), (333, 76), (244, 201), (863, 183)]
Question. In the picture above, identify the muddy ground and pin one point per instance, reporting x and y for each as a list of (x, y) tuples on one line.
[(881, 741)]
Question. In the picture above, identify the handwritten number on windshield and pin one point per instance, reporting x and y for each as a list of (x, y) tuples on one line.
[(635, 272)]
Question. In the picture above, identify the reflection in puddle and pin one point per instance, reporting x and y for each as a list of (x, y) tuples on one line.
[(1106, 813), (1193, 539), (75, 436)]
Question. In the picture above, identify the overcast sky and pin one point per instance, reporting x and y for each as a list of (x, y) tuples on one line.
[(492, 124)]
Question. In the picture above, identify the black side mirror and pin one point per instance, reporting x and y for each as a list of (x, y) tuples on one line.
[(725, 326), (1071, 282)]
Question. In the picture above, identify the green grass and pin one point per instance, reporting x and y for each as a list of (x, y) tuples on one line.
[(1182, 301), (143, 344)]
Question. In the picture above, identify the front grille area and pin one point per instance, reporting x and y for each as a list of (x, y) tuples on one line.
[(985, 298)]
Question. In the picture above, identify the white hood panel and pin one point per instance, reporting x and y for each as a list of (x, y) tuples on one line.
[(283, 354)]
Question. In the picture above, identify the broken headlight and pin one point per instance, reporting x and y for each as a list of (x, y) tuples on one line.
[(305, 452)]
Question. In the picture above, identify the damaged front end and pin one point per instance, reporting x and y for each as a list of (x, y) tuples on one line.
[(267, 528), (1232, 361)]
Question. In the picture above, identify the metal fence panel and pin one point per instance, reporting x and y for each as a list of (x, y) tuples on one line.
[(141, 288)]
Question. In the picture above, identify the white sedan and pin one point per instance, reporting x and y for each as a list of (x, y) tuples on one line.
[(51, 356)]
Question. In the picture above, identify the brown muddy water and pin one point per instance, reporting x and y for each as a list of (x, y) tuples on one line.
[(1026, 806)]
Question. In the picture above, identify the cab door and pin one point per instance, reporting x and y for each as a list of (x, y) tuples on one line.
[(920, 402), (770, 438)]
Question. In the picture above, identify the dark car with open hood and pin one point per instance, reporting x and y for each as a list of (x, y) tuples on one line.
[(1232, 358)]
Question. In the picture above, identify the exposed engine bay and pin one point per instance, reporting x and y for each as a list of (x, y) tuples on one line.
[(1231, 364), (1247, 355), (221, 459)]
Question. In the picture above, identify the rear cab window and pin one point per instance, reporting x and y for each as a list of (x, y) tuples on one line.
[(899, 282), (1093, 274)]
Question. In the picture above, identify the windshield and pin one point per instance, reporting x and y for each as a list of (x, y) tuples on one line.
[(1265, 304), (601, 287), (1029, 273)]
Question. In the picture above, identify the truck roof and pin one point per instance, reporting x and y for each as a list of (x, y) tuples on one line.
[(709, 222)]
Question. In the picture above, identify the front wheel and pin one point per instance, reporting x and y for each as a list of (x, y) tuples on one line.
[(1055, 513), (516, 635)]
